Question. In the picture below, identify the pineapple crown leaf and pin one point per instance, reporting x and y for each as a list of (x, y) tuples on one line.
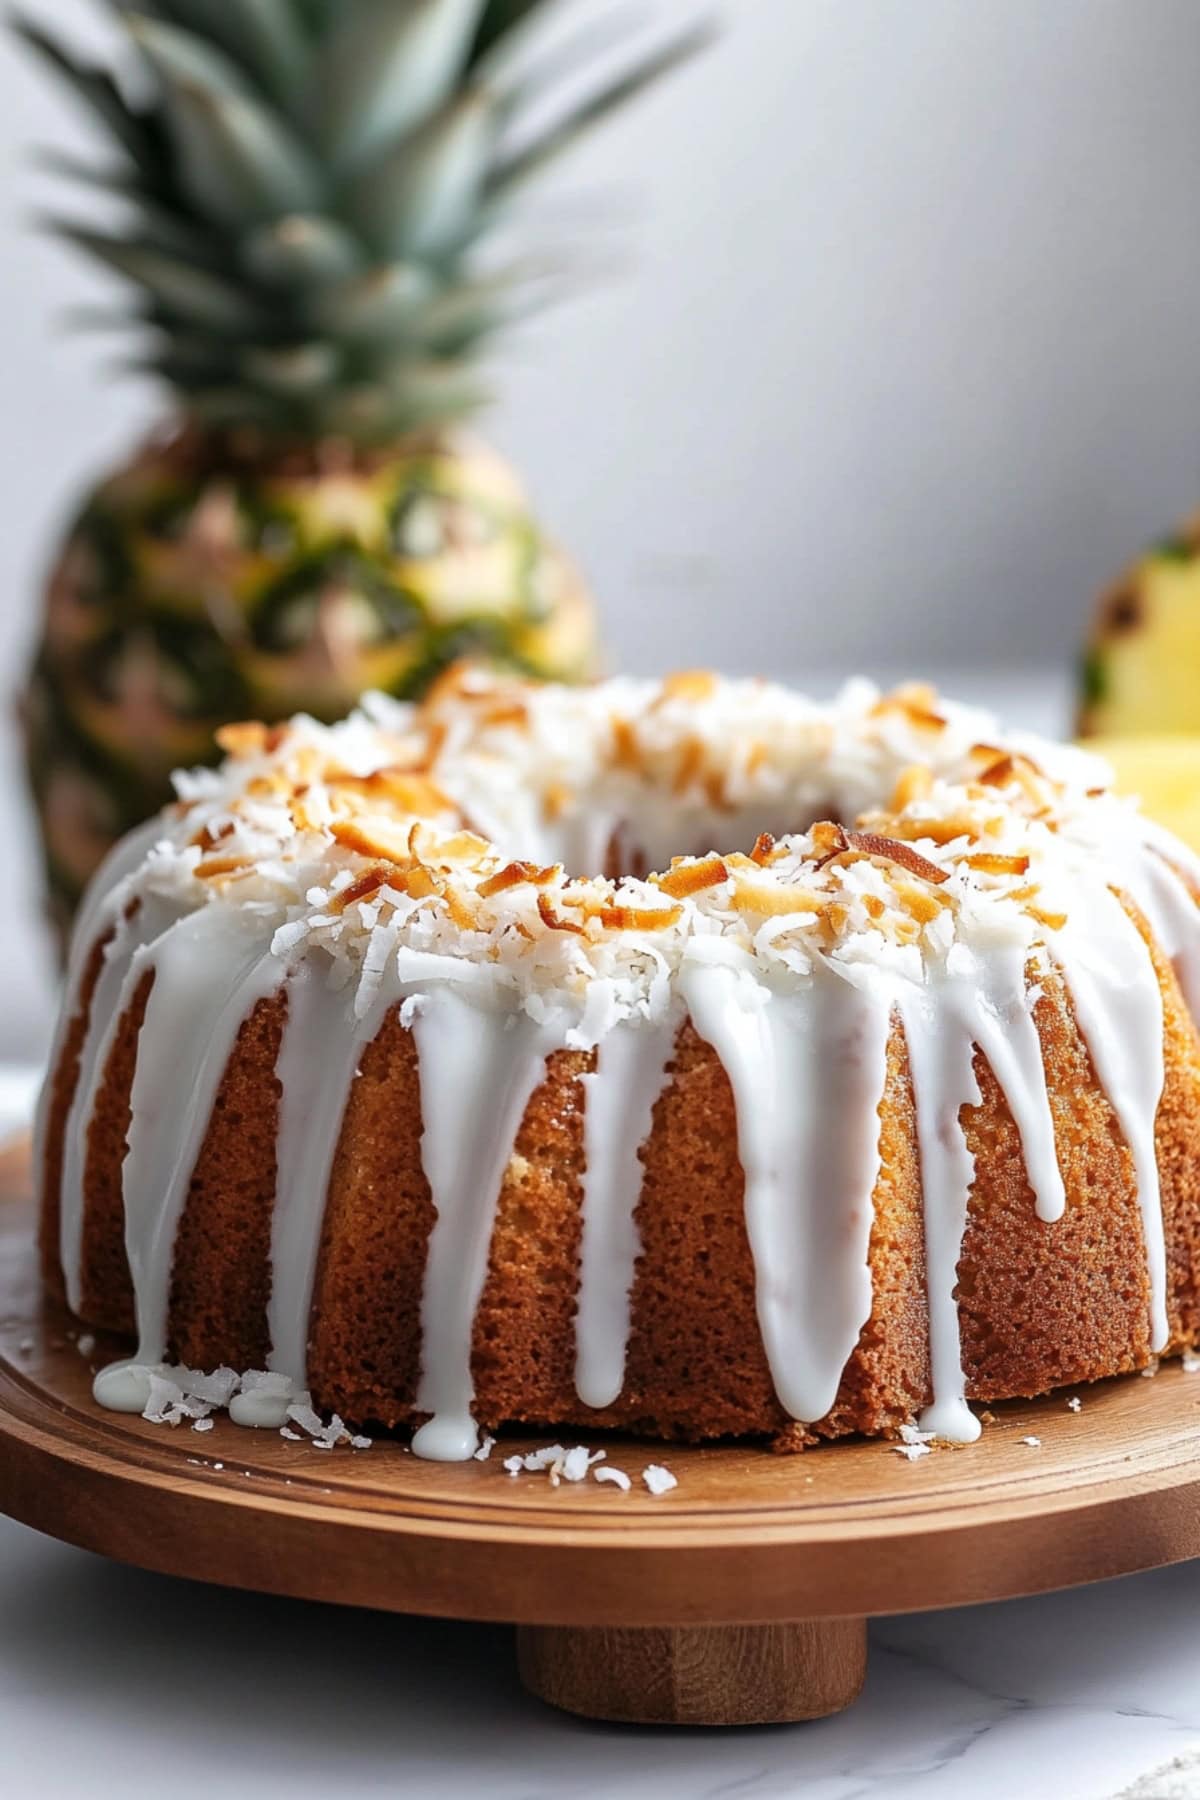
[(309, 185), (387, 69)]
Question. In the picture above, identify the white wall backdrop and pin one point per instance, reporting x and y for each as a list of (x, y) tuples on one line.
[(904, 360)]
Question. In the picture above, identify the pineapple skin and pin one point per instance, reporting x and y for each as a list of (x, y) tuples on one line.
[(1141, 670), (199, 586)]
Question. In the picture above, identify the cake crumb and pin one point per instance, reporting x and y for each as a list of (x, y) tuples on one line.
[(658, 1479)]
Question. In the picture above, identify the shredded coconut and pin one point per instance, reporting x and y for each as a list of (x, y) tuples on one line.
[(1034, 1443), (658, 1479), (617, 1477), (363, 839)]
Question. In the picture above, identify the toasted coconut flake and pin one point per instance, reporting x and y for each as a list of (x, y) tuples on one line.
[(463, 847), (776, 902), (246, 738), (917, 701), (687, 684), (989, 862), (1053, 921), (512, 712), (208, 839), (557, 800), (764, 846), (418, 883), (457, 907), (894, 850), (686, 878), (947, 830), (638, 918), (554, 921), (919, 902), (370, 843), (626, 751), (515, 874), (363, 887), (217, 866), (914, 783), (690, 766)]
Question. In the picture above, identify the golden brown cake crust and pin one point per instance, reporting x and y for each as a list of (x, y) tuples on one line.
[(221, 1279), (106, 1282)]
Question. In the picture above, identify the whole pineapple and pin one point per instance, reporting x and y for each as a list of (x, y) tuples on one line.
[(309, 185)]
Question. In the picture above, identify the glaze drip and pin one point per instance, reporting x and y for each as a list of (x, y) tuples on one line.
[(1118, 1004), (479, 1068), (632, 1064), (795, 1062), (314, 1092)]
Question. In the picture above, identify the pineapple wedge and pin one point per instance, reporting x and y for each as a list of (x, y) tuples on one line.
[(1141, 674), (1164, 773)]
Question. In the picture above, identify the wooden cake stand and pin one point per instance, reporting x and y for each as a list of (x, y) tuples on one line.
[(739, 1597)]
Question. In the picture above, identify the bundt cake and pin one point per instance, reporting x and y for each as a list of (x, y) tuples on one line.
[(389, 1068)]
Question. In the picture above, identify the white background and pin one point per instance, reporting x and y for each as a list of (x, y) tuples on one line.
[(898, 365)]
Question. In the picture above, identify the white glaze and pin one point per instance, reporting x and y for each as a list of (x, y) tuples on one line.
[(316, 1086), (632, 1061), (796, 1061), (1155, 881), (112, 996), (1119, 1009), (479, 1068), (108, 896), (941, 1064)]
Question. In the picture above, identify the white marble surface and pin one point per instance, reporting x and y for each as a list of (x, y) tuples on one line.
[(117, 1683)]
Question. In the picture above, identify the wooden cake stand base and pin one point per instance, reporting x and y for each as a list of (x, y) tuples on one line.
[(739, 1597)]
